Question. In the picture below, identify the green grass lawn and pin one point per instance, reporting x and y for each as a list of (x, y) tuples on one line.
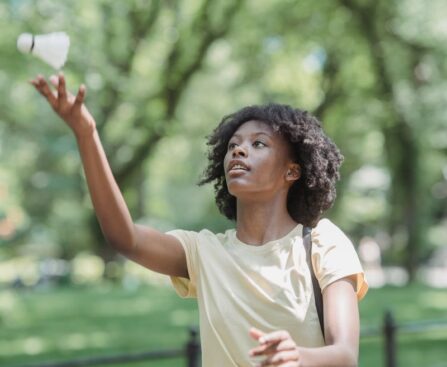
[(67, 323)]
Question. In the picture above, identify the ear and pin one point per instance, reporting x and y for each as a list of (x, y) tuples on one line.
[(293, 172)]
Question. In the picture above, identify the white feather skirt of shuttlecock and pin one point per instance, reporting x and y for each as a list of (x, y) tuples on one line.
[(51, 48)]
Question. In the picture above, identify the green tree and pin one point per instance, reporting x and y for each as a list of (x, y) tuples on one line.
[(160, 75)]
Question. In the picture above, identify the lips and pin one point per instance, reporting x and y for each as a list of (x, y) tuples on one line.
[(237, 166)]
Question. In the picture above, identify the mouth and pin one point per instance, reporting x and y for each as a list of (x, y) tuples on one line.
[(237, 166)]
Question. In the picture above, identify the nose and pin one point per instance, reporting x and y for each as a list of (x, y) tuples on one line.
[(239, 151)]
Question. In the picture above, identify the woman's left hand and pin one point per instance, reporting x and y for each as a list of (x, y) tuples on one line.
[(278, 347)]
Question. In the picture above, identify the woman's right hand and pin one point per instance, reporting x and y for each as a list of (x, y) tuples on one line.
[(69, 107)]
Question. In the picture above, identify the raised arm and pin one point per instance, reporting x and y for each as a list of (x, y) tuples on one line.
[(150, 248)]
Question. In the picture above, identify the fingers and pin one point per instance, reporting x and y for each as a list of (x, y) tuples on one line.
[(255, 333), (287, 344), (264, 349), (271, 343), (60, 85), (275, 337), (278, 348), (285, 358), (61, 91), (80, 97), (60, 96), (44, 89), (290, 364)]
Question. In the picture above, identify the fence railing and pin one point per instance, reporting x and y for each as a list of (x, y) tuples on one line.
[(191, 350), (390, 329)]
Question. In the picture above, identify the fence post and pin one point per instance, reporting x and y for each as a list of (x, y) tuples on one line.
[(193, 348), (389, 330)]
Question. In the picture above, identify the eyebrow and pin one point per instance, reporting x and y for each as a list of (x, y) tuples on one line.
[(255, 134)]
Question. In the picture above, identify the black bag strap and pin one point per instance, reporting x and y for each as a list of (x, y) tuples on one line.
[(307, 241)]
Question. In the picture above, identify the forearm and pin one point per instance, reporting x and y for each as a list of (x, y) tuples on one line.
[(342, 328), (328, 356), (108, 202)]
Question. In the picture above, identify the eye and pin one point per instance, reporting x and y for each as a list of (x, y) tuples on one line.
[(231, 145), (259, 144)]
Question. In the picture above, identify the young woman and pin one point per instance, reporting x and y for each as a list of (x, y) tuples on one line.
[(274, 172)]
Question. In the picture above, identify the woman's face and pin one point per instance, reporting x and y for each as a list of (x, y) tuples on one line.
[(258, 162)]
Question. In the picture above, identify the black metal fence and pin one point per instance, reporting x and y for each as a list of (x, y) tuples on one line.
[(191, 350), (390, 329)]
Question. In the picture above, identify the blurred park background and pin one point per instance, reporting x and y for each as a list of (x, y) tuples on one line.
[(160, 76)]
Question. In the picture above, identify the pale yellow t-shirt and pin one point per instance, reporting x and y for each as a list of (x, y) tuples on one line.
[(269, 287)]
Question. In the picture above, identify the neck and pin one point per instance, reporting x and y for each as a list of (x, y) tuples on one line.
[(259, 222)]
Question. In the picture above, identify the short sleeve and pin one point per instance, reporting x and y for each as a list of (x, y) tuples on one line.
[(334, 257), (186, 288)]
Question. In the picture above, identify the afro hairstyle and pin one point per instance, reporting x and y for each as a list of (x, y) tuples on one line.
[(319, 158)]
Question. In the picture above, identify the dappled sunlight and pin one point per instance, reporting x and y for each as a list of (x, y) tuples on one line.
[(370, 253), (84, 269), (31, 345), (131, 307), (182, 317), (8, 302), (434, 300), (436, 336), (135, 274), (434, 276), (24, 268), (12, 310), (159, 76), (78, 341), (87, 268), (73, 341), (82, 319), (34, 345), (12, 215)]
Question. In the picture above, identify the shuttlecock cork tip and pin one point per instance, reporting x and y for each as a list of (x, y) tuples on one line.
[(25, 42)]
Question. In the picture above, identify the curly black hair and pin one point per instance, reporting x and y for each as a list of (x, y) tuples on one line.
[(318, 157)]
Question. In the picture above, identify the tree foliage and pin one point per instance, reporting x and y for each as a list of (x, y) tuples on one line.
[(161, 74)]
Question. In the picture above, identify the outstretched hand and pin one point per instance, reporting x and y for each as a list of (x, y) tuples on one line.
[(277, 347), (69, 107)]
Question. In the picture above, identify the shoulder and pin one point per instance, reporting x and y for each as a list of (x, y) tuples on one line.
[(327, 232), (204, 236), (323, 225), (334, 257), (212, 240)]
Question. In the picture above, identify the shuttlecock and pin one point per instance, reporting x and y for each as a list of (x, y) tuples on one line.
[(51, 48)]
